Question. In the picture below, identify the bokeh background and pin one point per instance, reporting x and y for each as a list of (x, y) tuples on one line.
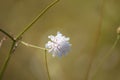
[(90, 24)]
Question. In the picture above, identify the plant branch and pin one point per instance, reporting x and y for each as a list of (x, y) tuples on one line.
[(115, 43), (6, 61), (98, 33), (107, 55), (30, 45), (43, 12), (46, 64), (19, 37), (7, 34)]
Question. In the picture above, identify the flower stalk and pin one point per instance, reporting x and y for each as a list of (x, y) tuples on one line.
[(6, 61), (46, 64), (98, 34), (36, 18), (7, 34), (108, 54), (15, 40), (30, 45)]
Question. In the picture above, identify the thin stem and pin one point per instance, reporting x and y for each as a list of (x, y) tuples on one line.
[(115, 43), (98, 33), (46, 64), (9, 54), (36, 18), (14, 40), (107, 55), (30, 45), (6, 61), (7, 34)]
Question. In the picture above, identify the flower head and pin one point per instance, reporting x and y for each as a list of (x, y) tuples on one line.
[(59, 45)]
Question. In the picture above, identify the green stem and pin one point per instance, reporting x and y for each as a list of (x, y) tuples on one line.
[(30, 45), (6, 61), (43, 12), (46, 64), (14, 40), (7, 34), (107, 55), (98, 33), (115, 43), (3, 68)]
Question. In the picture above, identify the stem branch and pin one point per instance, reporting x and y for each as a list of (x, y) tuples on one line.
[(6, 61), (36, 18), (30, 45), (46, 64), (107, 55), (98, 33), (17, 38), (7, 34)]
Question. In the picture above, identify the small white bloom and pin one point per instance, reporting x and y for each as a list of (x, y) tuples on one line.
[(59, 45)]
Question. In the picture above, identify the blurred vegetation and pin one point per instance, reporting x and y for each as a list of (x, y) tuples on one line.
[(90, 24)]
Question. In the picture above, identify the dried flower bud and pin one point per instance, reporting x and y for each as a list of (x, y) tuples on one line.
[(1, 41), (118, 30)]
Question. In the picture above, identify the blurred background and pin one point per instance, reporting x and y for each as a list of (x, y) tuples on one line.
[(90, 24)]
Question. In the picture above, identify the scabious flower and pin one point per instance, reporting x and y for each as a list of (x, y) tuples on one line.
[(59, 45)]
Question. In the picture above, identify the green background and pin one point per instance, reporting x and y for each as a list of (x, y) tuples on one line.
[(90, 24)]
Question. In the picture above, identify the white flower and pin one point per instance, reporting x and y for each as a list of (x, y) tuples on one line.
[(59, 45)]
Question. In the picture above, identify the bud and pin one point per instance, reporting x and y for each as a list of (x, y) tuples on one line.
[(1, 41), (118, 30)]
